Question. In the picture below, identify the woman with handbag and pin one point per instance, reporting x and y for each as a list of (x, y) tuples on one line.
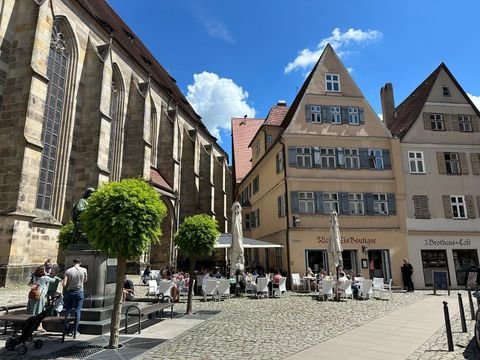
[(37, 296)]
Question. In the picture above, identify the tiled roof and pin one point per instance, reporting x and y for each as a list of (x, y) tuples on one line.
[(276, 115), (243, 131), (407, 112), (158, 180), (126, 38)]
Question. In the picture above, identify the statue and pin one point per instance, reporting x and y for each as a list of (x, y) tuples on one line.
[(77, 210)]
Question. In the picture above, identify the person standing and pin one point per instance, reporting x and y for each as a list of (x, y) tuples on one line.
[(407, 271), (74, 279), (40, 281)]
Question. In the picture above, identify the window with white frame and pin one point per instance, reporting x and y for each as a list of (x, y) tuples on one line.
[(380, 204), (415, 161), (352, 159), (353, 116), (281, 205), (330, 202), (304, 157), (355, 203), (306, 202), (316, 114), (327, 157), (452, 163), (375, 158), (332, 82), (436, 121), (459, 209), (335, 114), (464, 123)]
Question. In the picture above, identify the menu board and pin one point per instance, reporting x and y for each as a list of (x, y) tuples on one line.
[(472, 279), (440, 281)]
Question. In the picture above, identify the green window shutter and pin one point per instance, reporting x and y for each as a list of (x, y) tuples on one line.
[(326, 114), (364, 159), (292, 156), (386, 159), (294, 202)]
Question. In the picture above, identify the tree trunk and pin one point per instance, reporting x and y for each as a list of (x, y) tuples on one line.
[(117, 305), (190, 288)]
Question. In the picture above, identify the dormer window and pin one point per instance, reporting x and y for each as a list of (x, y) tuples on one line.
[(332, 82), (445, 91)]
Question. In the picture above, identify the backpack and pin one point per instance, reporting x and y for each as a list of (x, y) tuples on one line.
[(35, 292)]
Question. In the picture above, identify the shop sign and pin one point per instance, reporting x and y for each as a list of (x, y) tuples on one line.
[(348, 240), (443, 242)]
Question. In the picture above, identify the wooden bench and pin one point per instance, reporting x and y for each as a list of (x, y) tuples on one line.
[(146, 311)]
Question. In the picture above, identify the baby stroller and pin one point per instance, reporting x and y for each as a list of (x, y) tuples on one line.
[(32, 323)]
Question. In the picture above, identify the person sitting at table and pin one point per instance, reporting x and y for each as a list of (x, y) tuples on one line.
[(313, 283), (128, 290)]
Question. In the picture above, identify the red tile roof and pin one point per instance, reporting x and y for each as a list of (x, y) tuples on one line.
[(158, 180), (243, 131), (276, 115)]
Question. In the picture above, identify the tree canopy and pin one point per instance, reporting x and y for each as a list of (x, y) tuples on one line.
[(197, 235)]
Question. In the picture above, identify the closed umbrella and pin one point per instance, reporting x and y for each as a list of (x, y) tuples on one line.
[(334, 246), (237, 259)]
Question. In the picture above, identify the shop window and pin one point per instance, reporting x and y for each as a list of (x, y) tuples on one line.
[(463, 261), (433, 260)]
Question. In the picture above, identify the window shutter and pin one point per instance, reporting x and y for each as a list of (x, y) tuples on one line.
[(463, 163), (447, 119), (386, 159), (361, 116), (345, 206), (470, 206), (369, 203), (319, 202), (475, 157), (442, 168), (364, 159), (478, 203), (475, 123), (426, 121), (344, 111), (420, 205), (447, 206), (326, 114), (455, 123), (292, 156), (392, 208), (279, 206), (316, 157), (276, 164), (294, 202), (308, 113)]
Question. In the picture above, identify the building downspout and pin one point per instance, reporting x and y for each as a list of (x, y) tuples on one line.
[(287, 211)]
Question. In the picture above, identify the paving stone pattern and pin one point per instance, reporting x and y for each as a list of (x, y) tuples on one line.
[(241, 328)]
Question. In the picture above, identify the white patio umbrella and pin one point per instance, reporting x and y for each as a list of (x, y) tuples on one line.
[(334, 246), (237, 259)]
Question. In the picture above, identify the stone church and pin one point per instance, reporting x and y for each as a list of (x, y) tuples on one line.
[(83, 102)]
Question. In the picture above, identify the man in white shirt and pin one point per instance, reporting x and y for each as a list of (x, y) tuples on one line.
[(73, 282)]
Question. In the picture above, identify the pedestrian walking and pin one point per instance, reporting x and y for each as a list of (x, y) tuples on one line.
[(74, 279), (407, 271)]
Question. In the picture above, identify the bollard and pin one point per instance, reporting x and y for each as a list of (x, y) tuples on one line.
[(470, 301), (447, 326), (462, 313)]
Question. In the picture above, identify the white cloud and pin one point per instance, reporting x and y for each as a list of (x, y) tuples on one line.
[(339, 41), (218, 31), (206, 16), (475, 99), (217, 100)]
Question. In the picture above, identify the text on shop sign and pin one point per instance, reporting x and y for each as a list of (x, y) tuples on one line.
[(348, 240), (442, 242)]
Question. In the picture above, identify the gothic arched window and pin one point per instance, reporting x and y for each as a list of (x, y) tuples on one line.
[(154, 135), (115, 128), (57, 70)]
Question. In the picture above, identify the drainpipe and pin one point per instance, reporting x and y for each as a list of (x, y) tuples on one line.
[(287, 207)]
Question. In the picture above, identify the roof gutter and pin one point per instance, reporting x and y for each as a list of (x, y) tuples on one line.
[(287, 207)]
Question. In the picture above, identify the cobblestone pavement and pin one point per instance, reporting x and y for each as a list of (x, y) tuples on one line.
[(277, 328)]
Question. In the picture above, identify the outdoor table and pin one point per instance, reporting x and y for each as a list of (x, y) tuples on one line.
[(306, 279)]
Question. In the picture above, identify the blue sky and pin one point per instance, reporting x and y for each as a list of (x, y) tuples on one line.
[(232, 58)]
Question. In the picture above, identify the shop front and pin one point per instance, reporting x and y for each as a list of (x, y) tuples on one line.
[(453, 254), (376, 254)]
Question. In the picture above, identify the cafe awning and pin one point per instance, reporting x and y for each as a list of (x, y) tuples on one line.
[(225, 241)]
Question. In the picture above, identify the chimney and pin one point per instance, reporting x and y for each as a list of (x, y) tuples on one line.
[(388, 104), (281, 103)]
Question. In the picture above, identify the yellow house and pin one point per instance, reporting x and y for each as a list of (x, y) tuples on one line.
[(327, 151)]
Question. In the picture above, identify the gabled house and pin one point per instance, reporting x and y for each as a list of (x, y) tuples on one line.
[(439, 131), (329, 151)]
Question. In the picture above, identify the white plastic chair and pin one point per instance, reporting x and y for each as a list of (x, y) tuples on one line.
[(377, 286), (210, 288), (224, 288), (152, 288), (345, 289), (164, 289), (262, 286), (297, 281), (387, 289), (365, 289), (282, 288), (326, 290)]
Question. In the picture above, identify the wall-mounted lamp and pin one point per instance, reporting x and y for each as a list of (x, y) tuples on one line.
[(296, 221), (364, 249)]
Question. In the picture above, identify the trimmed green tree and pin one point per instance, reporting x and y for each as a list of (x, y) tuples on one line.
[(196, 237), (123, 219)]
